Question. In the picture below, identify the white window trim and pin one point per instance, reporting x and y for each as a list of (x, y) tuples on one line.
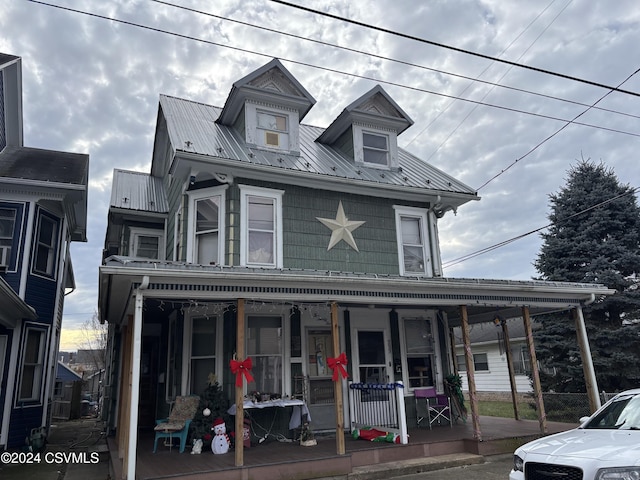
[(358, 145), (194, 196), (55, 250), (247, 191), (251, 110), (402, 211), (39, 383), (431, 315), (136, 232), (186, 348)]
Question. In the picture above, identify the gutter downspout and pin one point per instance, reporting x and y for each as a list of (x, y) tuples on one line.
[(135, 379), (585, 353)]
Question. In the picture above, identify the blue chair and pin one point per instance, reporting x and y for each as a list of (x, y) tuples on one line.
[(177, 425)]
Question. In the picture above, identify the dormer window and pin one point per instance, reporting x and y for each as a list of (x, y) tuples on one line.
[(273, 130), (375, 147)]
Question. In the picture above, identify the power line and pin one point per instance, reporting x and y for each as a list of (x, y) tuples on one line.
[(456, 49), (488, 249), (296, 62), (382, 57), (552, 135)]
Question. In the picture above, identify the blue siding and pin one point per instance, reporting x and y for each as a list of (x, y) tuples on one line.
[(3, 128)]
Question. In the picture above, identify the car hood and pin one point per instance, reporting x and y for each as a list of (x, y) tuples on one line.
[(609, 445)]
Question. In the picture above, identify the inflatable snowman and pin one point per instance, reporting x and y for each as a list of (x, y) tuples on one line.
[(220, 443)]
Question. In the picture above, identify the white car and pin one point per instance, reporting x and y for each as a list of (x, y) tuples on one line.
[(606, 446)]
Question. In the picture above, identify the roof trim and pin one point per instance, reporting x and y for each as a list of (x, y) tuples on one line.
[(12, 307)]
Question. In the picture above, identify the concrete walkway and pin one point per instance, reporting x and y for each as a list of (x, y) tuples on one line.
[(76, 450)]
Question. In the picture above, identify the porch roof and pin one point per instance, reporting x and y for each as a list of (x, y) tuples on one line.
[(121, 276), (12, 307)]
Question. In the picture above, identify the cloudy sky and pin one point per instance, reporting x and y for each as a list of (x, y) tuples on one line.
[(91, 83)]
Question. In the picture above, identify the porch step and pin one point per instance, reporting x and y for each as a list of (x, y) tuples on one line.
[(413, 466)]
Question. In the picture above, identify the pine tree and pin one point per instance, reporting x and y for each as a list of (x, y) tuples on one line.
[(594, 238), (214, 402)]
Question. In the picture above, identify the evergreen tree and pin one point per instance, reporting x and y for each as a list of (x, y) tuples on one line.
[(213, 404), (594, 238)]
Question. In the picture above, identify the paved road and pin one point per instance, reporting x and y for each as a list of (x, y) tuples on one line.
[(496, 467)]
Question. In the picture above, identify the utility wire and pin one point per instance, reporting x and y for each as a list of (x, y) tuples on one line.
[(553, 134), (456, 49), (296, 62), (482, 251), (401, 62)]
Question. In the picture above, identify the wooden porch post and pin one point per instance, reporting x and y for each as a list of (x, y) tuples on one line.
[(587, 361), (240, 353), (471, 380), (512, 375), (125, 387), (337, 390), (537, 388)]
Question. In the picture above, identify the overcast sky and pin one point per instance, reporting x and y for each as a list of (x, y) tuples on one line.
[(91, 85)]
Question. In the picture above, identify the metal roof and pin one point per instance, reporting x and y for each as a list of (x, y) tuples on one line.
[(193, 129), (138, 191)]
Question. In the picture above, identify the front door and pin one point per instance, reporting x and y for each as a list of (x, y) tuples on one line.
[(371, 349)]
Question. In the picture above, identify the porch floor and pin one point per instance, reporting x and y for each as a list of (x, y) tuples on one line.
[(276, 460)]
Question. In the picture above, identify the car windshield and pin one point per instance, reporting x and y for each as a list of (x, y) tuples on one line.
[(621, 414)]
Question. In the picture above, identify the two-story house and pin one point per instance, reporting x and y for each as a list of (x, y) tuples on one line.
[(256, 235), (43, 208)]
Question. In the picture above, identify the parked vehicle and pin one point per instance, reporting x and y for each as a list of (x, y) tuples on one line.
[(606, 446)]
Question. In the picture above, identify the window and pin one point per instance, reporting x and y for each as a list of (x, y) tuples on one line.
[(271, 127), (32, 365), (203, 352), (261, 227), (272, 130), (7, 227), (480, 362), (45, 246), (264, 346), (413, 254), (420, 351), (375, 147), (146, 243), (205, 244)]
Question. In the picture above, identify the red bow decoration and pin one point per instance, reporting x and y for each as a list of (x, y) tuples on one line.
[(337, 365), (242, 368)]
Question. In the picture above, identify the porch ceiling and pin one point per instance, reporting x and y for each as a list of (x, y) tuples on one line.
[(121, 276)]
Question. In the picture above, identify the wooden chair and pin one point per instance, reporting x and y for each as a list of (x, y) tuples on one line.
[(437, 407), (177, 425)]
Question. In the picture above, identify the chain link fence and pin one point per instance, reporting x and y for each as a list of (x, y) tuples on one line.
[(568, 407)]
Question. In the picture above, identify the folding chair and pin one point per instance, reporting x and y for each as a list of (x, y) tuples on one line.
[(437, 407)]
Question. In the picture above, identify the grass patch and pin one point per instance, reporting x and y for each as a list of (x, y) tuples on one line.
[(505, 410)]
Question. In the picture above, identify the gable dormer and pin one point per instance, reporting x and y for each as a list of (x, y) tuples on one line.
[(266, 107), (367, 130)]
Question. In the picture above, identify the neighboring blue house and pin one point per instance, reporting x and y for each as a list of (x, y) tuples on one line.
[(43, 208), (292, 244)]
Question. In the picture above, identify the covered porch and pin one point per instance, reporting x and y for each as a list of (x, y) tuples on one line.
[(139, 298), (276, 460)]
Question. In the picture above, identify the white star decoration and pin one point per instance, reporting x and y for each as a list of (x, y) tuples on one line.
[(341, 228)]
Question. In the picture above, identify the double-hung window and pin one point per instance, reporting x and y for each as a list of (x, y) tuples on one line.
[(413, 248), (271, 127), (146, 243), (205, 345), (261, 227), (265, 347), (46, 244), (32, 365), (375, 149), (205, 244), (480, 362), (273, 130), (7, 227)]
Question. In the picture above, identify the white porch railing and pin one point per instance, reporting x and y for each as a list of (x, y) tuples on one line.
[(379, 405)]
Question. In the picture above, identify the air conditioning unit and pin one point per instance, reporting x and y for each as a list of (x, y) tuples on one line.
[(4, 256)]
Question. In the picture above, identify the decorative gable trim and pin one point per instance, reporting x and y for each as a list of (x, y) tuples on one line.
[(375, 108), (272, 84)]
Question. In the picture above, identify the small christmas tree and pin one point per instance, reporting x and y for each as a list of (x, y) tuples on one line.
[(213, 404)]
